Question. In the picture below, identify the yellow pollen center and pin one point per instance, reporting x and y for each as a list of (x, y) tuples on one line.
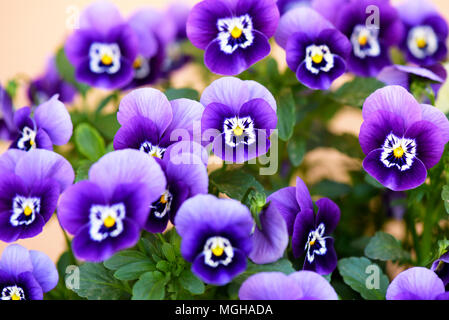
[(137, 63), (163, 199), (109, 222), (238, 131), (217, 251), (236, 32), (27, 211), (32, 142), (106, 60), (363, 40), (317, 58), (312, 242), (421, 42), (15, 297), (398, 152)]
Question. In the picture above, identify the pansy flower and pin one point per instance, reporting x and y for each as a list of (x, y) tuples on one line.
[(370, 43), (104, 48), (238, 118), (215, 237), (441, 267), (30, 185), (49, 84), (107, 212), (234, 34), (426, 32), (286, 5), (186, 176), (316, 51), (401, 138), (26, 275), (269, 242), (7, 128), (301, 285), (151, 123), (417, 283), (310, 232), (49, 124)]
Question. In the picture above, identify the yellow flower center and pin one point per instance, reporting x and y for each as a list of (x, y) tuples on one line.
[(238, 131), (398, 152), (106, 60), (363, 40), (217, 251), (317, 58), (236, 32), (109, 222), (137, 63), (163, 199), (31, 142), (27, 211), (15, 297), (421, 42), (312, 242)]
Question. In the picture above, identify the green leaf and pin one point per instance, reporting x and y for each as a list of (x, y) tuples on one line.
[(282, 265), (124, 258), (384, 247), (191, 283), (364, 276), (234, 183), (109, 98), (134, 270), (169, 252), (355, 92), (296, 151), (11, 88), (82, 172), (445, 197), (286, 116), (163, 265), (67, 71), (187, 93), (89, 142), (107, 125), (97, 283), (151, 286)]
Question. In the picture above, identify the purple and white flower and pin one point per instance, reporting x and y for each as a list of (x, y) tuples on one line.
[(216, 237), (7, 128), (441, 267), (238, 118), (26, 275), (107, 212), (104, 48), (310, 232), (316, 51), (30, 185), (401, 138), (233, 33), (301, 285)]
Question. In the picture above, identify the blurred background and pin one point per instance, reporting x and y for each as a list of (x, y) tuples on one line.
[(33, 30)]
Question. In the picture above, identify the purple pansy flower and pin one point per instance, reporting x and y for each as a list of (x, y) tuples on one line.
[(316, 51), (49, 84), (7, 128), (238, 118), (403, 75), (370, 43), (417, 283), (50, 124), (426, 32), (104, 48), (301, 285), (186, 176), (26, 275), (286, 5), (151, 123), (215, 237), (310, 232), (329, 9), (401, 138), (233, 33), (269, 243), (107, 212), (441, 267), (30, 185)]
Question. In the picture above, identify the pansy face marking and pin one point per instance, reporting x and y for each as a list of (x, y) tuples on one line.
[(161, 207), (24, 210), (154, 151), (13, 293), (316, 243), (239, 131), (106, 221), (235, 32), (141, 67), (27, 139), (365, 42), (319, 58), (104, 58), (422, 41), (399, 152), (218, 250)]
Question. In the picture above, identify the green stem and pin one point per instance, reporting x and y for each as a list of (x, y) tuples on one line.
[(426, 239)]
